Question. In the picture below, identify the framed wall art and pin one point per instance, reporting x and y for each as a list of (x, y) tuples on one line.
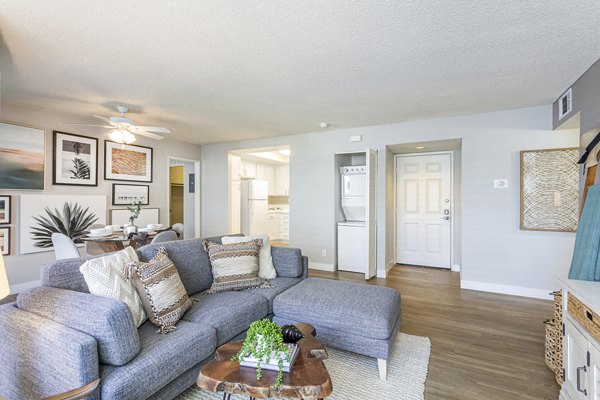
[(5, 241), (75, 160), (5, 210), (550, 190), (43, 213), (123, 195), (22, 156), (147, 216), (126, 162)]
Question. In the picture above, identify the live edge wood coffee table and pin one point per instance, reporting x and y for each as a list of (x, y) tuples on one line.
[(308, 379)]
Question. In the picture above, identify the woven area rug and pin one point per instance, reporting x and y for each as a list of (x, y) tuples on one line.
[(356, 377)]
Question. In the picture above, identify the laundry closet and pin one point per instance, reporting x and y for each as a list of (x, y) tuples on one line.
[(355, 212)]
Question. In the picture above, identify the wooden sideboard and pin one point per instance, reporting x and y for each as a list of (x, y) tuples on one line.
[(581, 340)]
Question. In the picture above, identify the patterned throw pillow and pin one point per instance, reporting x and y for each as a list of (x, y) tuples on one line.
[(266, 269), (161, 290), (105, 276), (234, 266)]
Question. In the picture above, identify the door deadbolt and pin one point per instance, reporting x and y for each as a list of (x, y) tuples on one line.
[(446, 211)]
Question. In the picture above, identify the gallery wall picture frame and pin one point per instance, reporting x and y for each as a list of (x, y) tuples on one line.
[(75, 159), (34, 207), (22, 156), (124, 194), (147, 216), (5, 241), (127, 162), (550, 190), (5, 209)]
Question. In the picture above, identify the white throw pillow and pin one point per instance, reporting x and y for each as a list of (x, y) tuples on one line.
[(265, 261), (105, 276)]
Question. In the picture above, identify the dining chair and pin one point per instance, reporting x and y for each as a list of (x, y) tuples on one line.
[(178, 228), (64, 246), (166, 236), (93, 248)]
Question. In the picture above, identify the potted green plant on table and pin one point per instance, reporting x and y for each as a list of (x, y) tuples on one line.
[(134, 209), (264, 341)]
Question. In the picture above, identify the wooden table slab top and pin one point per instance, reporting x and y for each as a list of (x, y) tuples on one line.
[(308, 379)]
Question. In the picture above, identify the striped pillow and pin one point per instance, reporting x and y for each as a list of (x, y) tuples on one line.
[(234, 266), (161, 290)]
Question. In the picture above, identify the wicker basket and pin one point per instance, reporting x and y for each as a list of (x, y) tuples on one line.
[(553, 344), (586, 317)]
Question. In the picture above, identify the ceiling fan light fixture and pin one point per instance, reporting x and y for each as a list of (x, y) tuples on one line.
[(121, 136)]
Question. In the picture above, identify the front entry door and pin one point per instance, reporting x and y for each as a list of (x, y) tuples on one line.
[(423, 210)]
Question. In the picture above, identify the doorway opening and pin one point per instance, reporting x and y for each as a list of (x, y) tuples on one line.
[(259, 193), (426, 188), (183, 197)]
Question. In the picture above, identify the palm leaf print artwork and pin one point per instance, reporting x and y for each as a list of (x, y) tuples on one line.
[(73, 222)]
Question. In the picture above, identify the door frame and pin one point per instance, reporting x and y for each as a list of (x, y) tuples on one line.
[(452, 199), (197, 209)]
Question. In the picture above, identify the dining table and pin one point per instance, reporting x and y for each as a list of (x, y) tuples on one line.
[(115, 241)]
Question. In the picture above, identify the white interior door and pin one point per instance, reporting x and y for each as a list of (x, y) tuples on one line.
[(423, 210)]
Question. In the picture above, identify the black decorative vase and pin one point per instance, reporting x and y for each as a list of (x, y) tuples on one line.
[(291, 334)]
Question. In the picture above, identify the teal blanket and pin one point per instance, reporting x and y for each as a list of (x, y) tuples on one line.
[(586, 256)]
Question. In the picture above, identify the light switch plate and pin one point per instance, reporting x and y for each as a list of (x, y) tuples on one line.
[(356, 138), (500, 183)]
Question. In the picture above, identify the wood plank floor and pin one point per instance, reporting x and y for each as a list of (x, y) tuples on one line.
[(485, 346)]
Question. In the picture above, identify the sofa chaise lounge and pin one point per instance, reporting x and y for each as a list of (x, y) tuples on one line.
[(58, 336)]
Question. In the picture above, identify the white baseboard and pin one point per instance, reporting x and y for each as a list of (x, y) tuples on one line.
[(506, 289), (455, 268), (321, 266), (19, 287), (384, 273)]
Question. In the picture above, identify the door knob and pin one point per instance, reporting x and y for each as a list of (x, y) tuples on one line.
[(446, 217)]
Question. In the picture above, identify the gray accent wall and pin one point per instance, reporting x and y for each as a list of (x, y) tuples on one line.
[(24, 270), (586, 101), (496, 255)]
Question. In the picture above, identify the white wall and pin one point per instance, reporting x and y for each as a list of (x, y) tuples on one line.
[(496, 255), (24, 271)]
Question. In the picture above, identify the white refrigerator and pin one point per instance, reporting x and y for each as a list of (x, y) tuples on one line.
[(254, 205)]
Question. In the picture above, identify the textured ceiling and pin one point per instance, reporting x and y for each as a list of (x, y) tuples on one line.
[(230, 70)]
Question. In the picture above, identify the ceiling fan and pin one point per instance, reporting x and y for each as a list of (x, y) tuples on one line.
[(123, 130)]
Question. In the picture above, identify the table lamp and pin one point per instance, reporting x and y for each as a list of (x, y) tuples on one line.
[(4, 287)]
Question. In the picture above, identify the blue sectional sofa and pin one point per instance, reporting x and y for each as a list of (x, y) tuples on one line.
[(59, 337)]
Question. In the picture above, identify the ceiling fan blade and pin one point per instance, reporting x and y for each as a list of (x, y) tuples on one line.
[(150, 135), (156, 129), (111, 123), (102, 126)]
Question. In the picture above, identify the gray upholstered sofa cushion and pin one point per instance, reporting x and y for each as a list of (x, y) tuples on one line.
[(230, 313), (64, 274), (161, 359), (107, 320), (361, 309), (287, 261), (278, 285), (40, 358), (189, 258)]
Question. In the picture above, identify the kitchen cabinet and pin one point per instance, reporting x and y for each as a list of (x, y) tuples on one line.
[(284, 226), (270, 171), (261, 172), (282, 180), (581, 344), (248, 169), (273, 226)]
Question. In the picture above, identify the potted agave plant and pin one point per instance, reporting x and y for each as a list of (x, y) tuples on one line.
[(264, 339)]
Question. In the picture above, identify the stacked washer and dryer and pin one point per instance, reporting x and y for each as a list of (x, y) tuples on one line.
[(353, 233)]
